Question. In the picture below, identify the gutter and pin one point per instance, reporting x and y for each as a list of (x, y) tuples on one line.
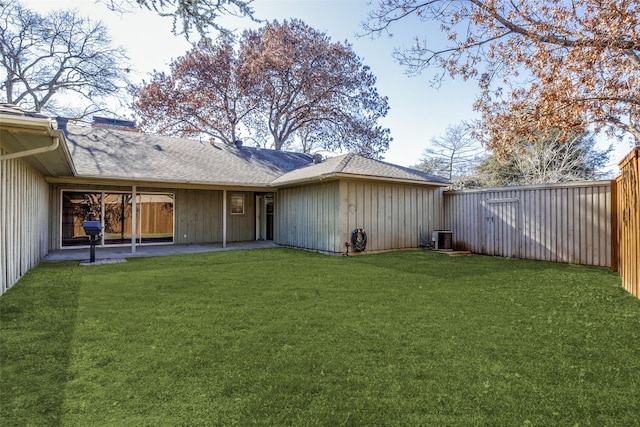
[(34, 124), (54, 146), (128, 181)]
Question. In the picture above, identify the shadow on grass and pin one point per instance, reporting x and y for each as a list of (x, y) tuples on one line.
[(37, 320)]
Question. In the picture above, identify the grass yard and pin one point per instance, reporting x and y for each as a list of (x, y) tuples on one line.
[(285, 337)]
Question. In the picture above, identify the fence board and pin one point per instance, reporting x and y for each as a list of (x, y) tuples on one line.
[(557, 222), (628, 221)]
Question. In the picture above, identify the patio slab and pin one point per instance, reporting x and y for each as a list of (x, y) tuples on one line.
[(120, 252)]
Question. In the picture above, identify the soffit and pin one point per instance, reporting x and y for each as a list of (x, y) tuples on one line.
[(18, 133)]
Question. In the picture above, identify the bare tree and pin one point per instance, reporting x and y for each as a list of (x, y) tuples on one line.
[(190, 15), (46, 57), (548, 160), (452, 155)]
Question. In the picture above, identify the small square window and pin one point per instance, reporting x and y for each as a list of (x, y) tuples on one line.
[(237, 204)]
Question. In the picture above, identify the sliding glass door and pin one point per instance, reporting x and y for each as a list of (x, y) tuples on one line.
[(117, 219), (154, 217), (78, 207)]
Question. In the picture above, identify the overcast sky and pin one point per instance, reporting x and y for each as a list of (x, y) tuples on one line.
[(418, 111)]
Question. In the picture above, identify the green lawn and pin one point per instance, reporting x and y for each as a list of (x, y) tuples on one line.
[(285, 337)]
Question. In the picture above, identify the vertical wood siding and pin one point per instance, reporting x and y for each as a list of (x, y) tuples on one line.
[(628, 222), (322, 217), (197, 213), (392, 215), (24, 220), (241, 228), (198, 216), (564, 223), (307, 217)]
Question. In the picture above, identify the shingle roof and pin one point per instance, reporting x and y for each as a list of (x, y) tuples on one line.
[(12, 109), (119, 154), (358, 166), (111, 153)]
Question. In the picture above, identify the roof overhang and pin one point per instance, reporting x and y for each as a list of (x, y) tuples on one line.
[(34, 140), (372, 178), (159, 183)]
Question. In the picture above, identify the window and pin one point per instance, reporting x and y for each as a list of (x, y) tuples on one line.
[(237, 204), (154, 214)]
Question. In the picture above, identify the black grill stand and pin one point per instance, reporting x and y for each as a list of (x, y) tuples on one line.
[(92, 229), (92, 249)]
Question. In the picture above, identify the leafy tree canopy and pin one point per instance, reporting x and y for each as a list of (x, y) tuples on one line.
[(540, 64), (286, 82), (201, 95)]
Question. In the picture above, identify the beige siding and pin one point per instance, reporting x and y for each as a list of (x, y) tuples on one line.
[(322, 217), (564, 223), (198, 216), (307, 217), (392, 215), (197, 213), (24, 216)]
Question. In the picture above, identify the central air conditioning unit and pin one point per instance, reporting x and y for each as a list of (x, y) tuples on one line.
[(442, 240)]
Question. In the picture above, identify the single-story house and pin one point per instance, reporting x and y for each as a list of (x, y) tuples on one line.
[(149, 189)]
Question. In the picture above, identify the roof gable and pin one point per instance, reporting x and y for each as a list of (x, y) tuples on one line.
[(356, 166)]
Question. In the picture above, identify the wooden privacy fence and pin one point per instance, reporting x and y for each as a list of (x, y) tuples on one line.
[(627, 194), (569, 222)]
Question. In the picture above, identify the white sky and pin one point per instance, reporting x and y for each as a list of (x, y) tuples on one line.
[(418, 112)]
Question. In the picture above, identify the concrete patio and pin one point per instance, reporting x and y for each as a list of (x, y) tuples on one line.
[(123, 252)]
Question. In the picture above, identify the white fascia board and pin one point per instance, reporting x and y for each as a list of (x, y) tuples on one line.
[(34, 123)]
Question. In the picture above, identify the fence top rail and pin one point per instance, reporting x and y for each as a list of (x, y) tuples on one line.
[(634, 153), (597, 183)]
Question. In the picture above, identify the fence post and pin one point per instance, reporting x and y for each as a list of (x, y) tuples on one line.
[(615, 238)]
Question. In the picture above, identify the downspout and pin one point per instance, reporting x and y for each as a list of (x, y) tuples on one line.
[(54, 146)]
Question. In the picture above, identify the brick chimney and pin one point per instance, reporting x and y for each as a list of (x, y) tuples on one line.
[(119, 124)]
